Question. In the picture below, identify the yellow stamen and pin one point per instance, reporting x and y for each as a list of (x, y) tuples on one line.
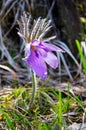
[(33, 48)]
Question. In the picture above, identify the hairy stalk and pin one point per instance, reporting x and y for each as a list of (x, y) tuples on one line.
[(34, 86)]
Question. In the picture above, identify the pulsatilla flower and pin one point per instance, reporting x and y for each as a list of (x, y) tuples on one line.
[(37, 54), (37, 51)]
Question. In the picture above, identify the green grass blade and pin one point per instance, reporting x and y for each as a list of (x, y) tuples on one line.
[(8, 119), (45, 126), (81, 55), (60, 109)]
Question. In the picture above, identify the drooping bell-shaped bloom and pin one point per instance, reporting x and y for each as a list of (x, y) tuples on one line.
[(38, 53)]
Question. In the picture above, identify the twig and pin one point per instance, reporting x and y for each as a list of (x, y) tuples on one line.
[(28, 6), (10, 70), (15, 19), (5, 8), (6, 53)]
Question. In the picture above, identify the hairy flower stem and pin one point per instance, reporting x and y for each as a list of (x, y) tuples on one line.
[(34, 86)]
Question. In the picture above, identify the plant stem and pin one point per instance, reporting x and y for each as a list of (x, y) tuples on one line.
[(34, 86)]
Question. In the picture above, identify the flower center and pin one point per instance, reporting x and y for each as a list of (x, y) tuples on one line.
[(34, 48)]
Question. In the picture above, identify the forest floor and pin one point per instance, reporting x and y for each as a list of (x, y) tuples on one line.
[(56, 107)]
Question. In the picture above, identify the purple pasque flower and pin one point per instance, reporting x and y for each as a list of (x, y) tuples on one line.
[(38, 53)]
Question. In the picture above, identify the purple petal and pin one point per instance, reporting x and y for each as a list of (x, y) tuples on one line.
[(36, 62), (35, 43), (51, 47), (42, 52), (51, 60)]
